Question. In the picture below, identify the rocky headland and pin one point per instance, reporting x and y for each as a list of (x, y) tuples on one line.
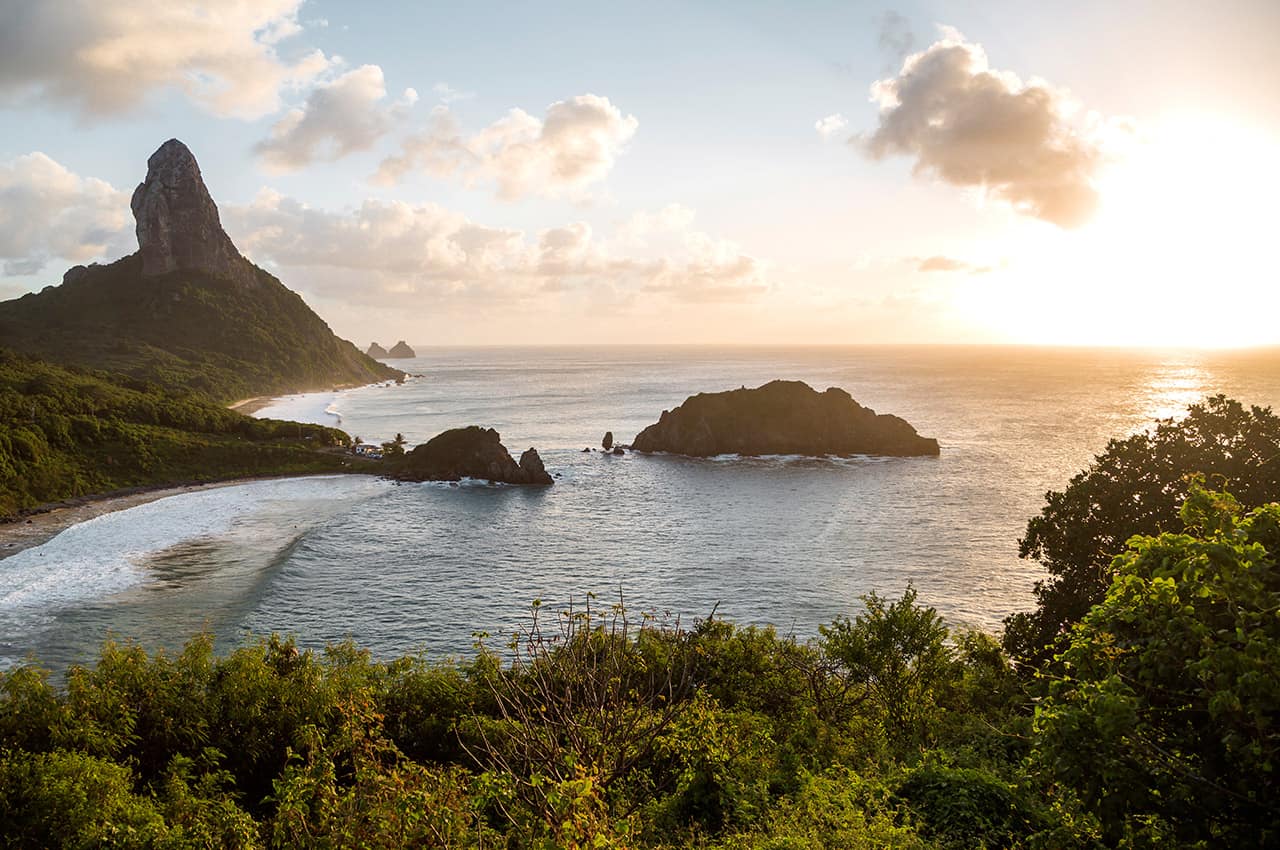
[(471, 452), (187, 310), (781, 418)]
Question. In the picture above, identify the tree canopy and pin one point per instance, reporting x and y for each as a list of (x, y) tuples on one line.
[(1136, 487), (1162, 724)]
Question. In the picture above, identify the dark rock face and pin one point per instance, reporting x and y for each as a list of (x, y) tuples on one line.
[(401, 350), (177, 221), (607, 442), (781, 417), (376, 350), (471, 452), (531, 463)]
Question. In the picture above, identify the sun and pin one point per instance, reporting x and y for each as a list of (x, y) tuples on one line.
[(1181, 251)]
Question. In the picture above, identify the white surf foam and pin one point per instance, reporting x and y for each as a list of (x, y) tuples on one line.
[(315, 408), (104, 555)]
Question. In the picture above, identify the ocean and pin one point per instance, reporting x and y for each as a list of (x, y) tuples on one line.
[(787, 541)]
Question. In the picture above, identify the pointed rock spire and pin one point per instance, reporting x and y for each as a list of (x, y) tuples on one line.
[(177, 221)]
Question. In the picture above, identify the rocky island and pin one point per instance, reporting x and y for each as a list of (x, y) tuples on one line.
[(401, 351), (471, 452), (781, 417), (376, 351)]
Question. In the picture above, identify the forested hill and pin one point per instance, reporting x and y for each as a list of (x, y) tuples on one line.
[(67, 433), (186, 328), (187, 310)]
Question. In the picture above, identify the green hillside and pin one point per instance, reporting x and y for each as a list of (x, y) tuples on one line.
[(186, 330), (65, 433)]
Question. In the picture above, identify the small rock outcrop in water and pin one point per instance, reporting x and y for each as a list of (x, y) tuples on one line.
[(607, 442), (781, 417), (376, 350), (401, 350), (531, 463), (177, 221), (471, 452)]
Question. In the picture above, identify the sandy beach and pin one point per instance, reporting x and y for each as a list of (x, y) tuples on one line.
[(250, 406), (24, 532)]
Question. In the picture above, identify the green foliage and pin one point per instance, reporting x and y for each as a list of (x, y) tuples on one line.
[(186, 330), (837, 808), (67, 433), (1136, 487), (1162, 726), (601, 730), (964, 808), (895, 657)]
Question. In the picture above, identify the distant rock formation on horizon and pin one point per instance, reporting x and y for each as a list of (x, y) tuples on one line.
[(187, 310), (781, 418), (401, 351), (376, 351), (471, 452)]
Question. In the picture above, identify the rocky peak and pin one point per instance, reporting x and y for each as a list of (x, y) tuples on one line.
[(177, 221), (401, 350)]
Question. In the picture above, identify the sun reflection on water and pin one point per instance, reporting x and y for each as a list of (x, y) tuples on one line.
[(1173, 388)]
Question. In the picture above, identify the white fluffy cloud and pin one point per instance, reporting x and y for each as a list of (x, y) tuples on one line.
[(830, 126), (48, 212), (385, 252), (971, 125), (343, 116), (107, 57), (574, 146)]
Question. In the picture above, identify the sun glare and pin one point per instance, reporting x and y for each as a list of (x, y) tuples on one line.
[(1180, 252)]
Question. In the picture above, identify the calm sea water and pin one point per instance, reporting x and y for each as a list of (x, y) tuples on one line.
[(788, 541)]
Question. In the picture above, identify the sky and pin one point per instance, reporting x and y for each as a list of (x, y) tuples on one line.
[(751, 173)]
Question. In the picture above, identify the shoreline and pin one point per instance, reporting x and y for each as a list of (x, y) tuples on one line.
[(250, 406), (41, 524)]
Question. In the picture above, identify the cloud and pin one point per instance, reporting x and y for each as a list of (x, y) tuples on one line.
[(830, 126), (385, 252), (939, 263), (340, 117), (970, 125), (447, 94), (715, 270), (106, 58), (896, 38), (573, 147), (47, 212)]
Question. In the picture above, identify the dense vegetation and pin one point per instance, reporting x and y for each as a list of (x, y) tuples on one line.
[(1136, 487), (889, 730), (66, 433), (1149, 722), (186, 330)]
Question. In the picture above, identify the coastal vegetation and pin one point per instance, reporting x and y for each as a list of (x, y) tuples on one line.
[(67, 433), (186, 330), (1152, 727), (186, 311), (1136, 486), (138, 358)]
